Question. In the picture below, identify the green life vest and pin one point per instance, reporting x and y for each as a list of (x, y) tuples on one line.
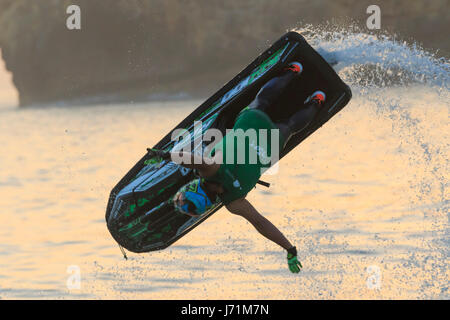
[(241, 169)]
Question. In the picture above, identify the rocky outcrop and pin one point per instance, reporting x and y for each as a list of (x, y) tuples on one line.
[(129, 49)]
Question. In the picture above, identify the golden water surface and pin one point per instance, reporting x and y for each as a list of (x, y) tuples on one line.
[(364, 199)]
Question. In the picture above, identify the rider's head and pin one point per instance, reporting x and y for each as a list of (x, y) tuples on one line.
[(191, 199)]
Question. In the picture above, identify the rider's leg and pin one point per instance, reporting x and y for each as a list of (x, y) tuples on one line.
[(301, 119), (298, 121), (272, 90)]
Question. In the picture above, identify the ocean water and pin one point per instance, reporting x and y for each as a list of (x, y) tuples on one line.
[(365, 198)]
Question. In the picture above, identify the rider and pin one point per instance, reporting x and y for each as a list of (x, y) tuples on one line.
[(230, 183)]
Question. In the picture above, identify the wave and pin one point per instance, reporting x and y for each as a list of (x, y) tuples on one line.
[(377, 59)]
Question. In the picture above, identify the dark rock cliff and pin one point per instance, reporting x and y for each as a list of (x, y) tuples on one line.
[(129, 49)]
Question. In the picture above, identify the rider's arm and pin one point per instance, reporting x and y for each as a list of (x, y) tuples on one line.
[(245, 209)]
